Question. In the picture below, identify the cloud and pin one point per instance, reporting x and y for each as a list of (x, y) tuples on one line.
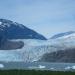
[(44, 16)]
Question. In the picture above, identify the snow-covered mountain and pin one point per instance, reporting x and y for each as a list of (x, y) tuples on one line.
[(18, 45), (64, 35), (13, 30)]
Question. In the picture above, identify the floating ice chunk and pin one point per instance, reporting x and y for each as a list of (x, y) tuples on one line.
[(34, 60), (41, 67), (37, 67), (67, 68), (1, 66), (0, 23), (73, 67), (51, 68), (33, 67)]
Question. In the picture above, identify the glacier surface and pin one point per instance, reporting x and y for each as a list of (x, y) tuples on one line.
[(33, 49)]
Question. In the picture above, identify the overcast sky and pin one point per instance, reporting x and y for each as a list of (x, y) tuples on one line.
[(47, 17)]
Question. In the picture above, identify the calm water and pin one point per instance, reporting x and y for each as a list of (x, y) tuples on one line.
[(38, 66)]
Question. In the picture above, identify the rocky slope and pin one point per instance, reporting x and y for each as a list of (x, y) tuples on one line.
[(60, 56), (10, 45)]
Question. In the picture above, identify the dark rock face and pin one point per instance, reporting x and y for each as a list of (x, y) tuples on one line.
[(11, 45), (60, 56), (13, 30)]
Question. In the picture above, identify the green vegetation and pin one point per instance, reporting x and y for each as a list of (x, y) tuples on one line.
[(33, 72)]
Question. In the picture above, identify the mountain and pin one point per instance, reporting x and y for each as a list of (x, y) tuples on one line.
[(64, 50), (13, 30), (10, 30), (19, 43), (63, 35)]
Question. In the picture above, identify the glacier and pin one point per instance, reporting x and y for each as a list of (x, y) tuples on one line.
[(34, 49)]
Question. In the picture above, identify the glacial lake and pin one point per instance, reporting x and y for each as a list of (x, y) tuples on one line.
[(38, 66)]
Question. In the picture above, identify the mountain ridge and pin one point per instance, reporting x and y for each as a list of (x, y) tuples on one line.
[(14, 30), (59, 35)]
